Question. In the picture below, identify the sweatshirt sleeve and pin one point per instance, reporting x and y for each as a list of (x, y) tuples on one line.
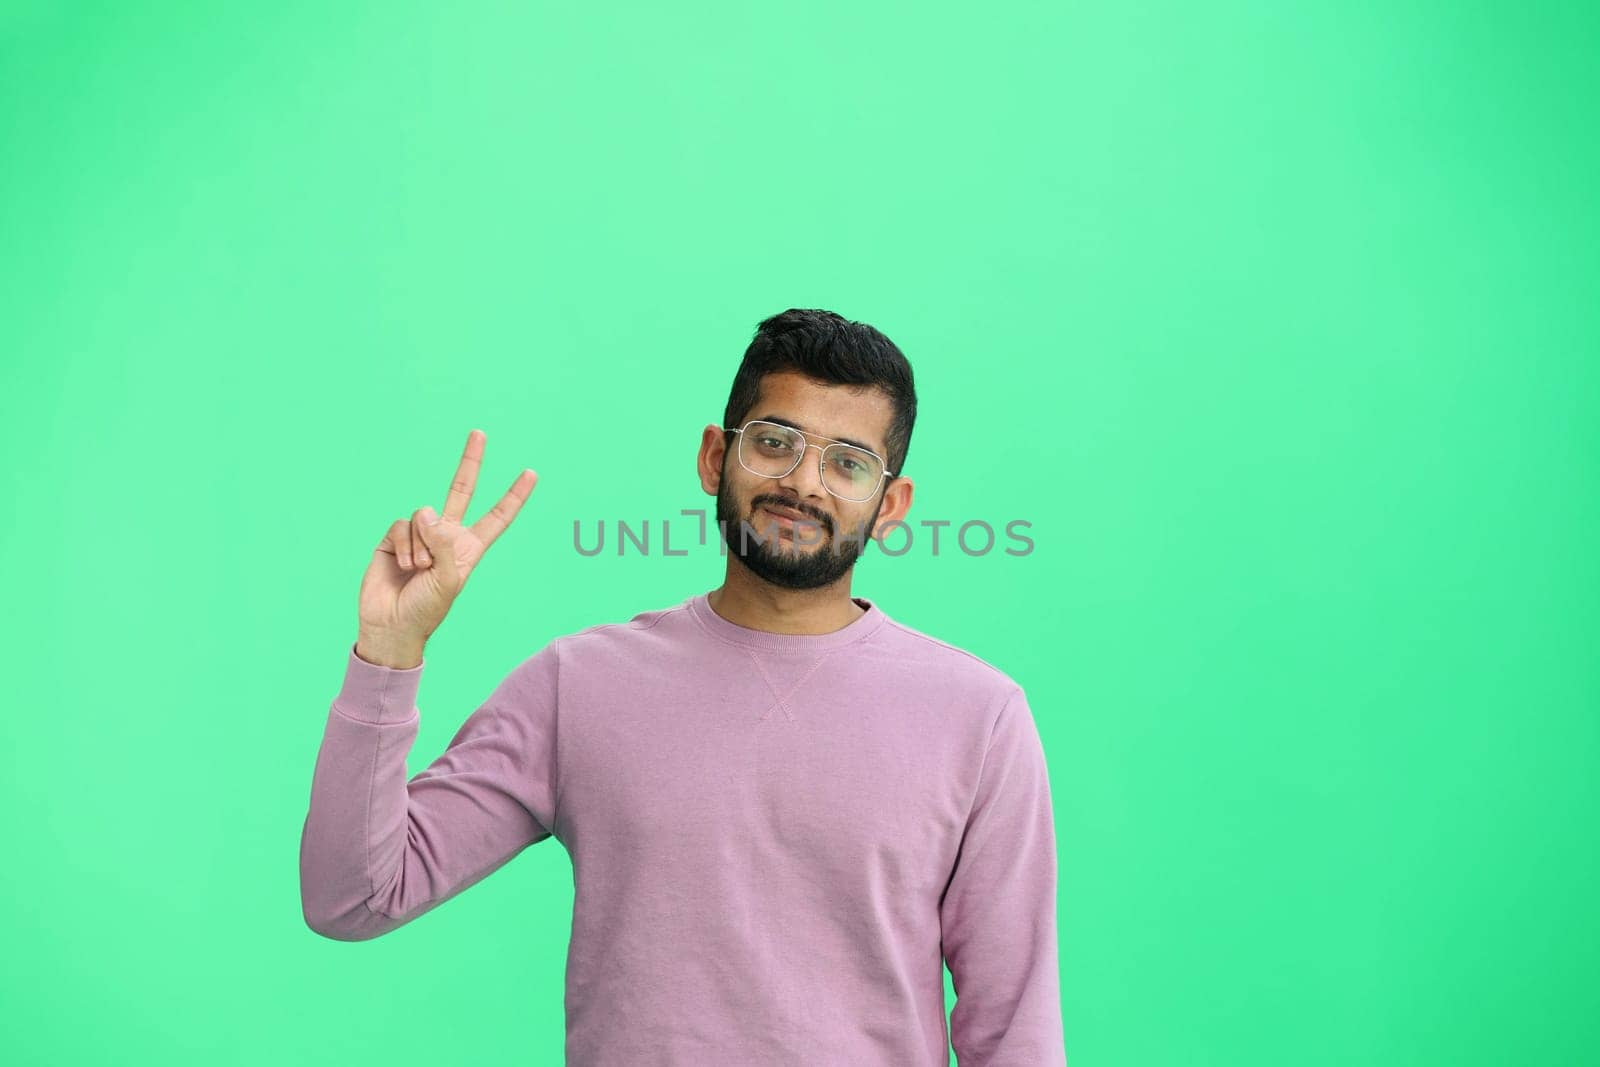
[(376, 850), (998, 913)]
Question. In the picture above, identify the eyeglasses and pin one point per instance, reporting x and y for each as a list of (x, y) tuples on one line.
[(772, 451)]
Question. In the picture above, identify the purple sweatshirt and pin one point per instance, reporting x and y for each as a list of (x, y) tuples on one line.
[(775, 838)]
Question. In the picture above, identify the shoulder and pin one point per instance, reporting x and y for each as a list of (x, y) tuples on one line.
[(955, 670), (642, 633), (601, 645)]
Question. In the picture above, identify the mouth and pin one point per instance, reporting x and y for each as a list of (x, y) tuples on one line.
[(787, 517)]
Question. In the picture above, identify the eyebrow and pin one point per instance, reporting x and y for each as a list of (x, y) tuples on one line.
[(781, 421)]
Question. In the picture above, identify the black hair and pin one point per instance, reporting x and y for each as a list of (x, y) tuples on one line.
[(825, 346)]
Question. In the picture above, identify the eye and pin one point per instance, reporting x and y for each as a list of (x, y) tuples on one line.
[(853, 464)]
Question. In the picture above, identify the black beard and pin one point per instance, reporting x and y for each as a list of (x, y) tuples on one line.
[(791, 566)]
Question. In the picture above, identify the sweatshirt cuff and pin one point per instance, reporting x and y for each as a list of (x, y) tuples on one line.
[(376, 694)]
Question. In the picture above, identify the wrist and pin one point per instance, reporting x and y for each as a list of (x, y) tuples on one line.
[(396, 653)]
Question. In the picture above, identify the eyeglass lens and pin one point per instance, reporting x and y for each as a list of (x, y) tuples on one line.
[(772, 451)]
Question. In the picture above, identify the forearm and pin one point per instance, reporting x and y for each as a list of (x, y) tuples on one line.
[(379, 849), (353, 841)]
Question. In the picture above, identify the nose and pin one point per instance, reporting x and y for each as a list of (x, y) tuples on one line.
[(805, 481)]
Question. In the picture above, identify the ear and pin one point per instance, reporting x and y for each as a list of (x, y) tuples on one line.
[(896, 502), (713, 449)]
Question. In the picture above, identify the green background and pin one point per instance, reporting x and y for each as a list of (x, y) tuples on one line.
[(1276, 321)]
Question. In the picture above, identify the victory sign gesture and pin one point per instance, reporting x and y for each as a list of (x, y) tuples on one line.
[(421, 564)]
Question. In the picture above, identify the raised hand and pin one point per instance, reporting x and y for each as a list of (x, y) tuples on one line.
[(420, 566)]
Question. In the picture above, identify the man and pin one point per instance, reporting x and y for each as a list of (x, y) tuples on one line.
[(785, 810)]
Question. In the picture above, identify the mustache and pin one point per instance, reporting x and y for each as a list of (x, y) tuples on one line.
[(779, 502)]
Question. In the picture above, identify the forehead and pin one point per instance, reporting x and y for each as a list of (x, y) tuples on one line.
[(859, 415)]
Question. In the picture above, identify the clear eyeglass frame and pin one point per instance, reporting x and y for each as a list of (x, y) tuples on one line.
[(822, 459)]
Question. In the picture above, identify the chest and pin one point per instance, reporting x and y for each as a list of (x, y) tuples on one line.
[(786, 776)]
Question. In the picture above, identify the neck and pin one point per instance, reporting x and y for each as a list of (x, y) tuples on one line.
[(748, 601)]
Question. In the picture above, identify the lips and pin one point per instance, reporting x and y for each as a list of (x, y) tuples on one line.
[(789, 520)]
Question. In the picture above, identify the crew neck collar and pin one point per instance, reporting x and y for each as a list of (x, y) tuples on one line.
[(727, 630)]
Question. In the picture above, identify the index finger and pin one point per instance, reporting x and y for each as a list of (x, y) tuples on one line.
[(466, 479)]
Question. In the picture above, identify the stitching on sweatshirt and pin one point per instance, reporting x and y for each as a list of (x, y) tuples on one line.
[(659, 616), (714, 635), (977, 787), (930, 639), (783, 700), (555, 748), (983, 764), (802, 680), (602, 627), (761, 670), (347, 717), (383, 698)]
